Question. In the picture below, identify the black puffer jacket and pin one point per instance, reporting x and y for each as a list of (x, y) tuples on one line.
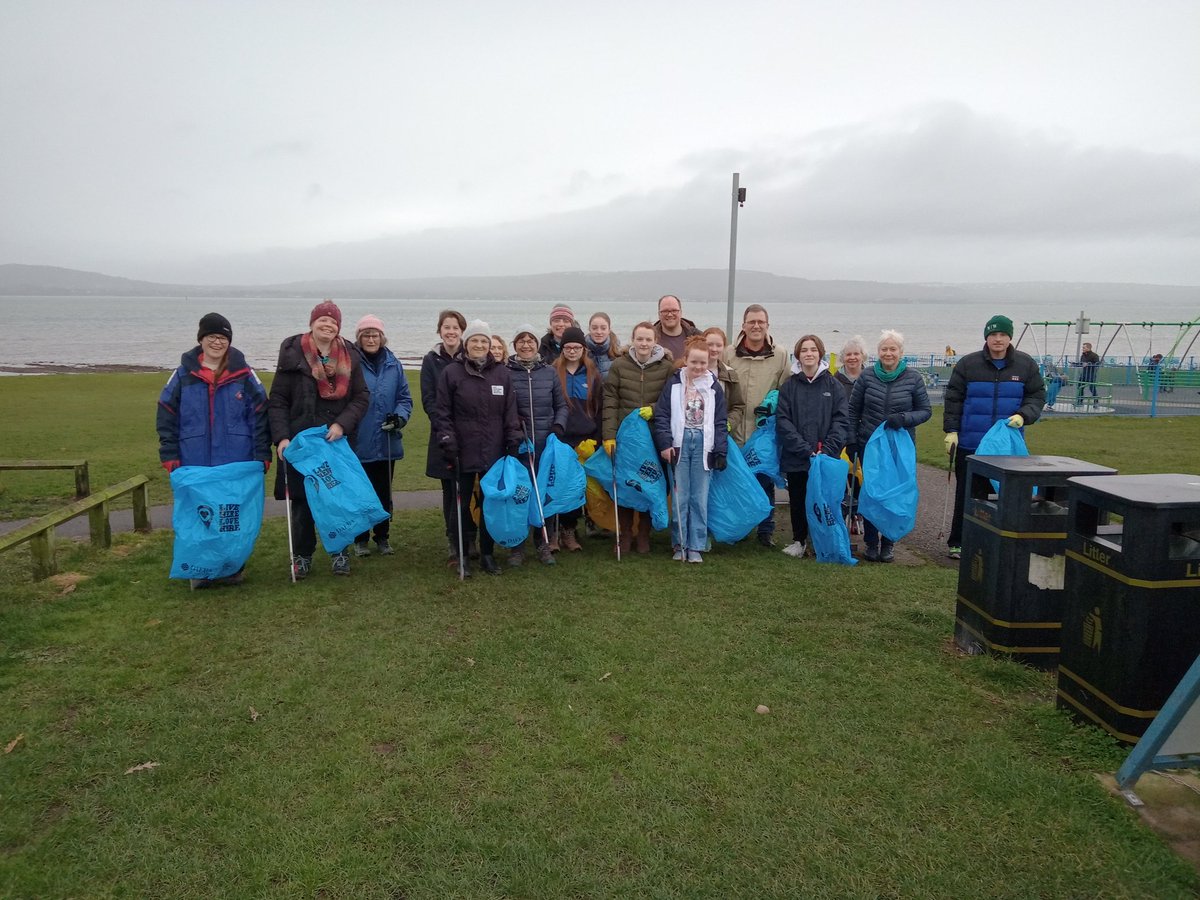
[(873, 400), (432, 366), (810, 413), (539, 400), (475, 415)]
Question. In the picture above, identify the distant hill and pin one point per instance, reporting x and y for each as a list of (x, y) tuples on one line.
[(696, 284)]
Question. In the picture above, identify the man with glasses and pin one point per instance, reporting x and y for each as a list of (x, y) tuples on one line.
[(671, 329), (761, 369)]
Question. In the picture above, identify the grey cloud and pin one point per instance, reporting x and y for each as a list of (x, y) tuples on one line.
[(282, 149)]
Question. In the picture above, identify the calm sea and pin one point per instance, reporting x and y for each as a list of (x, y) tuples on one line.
[(148, 331)]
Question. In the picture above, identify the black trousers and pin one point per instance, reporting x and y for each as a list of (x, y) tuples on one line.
[(960, 496), (468, 487), (797, 483), (379, 473)]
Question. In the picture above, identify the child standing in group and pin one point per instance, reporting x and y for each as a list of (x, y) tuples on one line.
[(690, 434)]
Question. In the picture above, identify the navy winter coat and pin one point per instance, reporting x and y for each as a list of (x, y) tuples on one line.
[(809, 413), (202, 423), (389, 394), (539, 400), (979, 394), (476, 414), (873, 400), (432, 367)]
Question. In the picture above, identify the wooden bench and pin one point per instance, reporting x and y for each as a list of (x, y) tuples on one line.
[(40, 532), (82, 485)]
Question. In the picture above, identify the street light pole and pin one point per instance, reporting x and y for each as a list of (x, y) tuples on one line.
[(736, 199)]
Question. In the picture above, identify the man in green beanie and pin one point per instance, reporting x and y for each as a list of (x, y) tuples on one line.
[(997, 382)]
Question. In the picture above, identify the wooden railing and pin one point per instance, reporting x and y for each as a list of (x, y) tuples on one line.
[(82, 486), (40, 532)]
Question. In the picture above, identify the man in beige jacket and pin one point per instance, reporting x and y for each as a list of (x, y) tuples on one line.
[(761, 368)]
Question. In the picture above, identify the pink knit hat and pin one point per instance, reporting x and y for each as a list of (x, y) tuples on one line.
[(326, 308), (369, 321), (562, 310)]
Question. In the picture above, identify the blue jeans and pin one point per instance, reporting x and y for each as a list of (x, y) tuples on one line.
[(767, 526), (691, 493)]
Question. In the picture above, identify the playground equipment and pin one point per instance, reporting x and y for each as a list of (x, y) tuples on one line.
[(1171, 360)]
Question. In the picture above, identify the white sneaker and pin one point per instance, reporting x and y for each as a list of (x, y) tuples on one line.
[(693, 556), (795, 549), (678, 555)]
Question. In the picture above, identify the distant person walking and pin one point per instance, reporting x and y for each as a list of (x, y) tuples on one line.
[(1089, 367), (996, 383)]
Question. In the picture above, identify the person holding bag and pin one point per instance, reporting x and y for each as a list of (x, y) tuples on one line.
[(318, 383), (889, 394)]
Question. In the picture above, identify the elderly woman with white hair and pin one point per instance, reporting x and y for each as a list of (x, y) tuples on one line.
[(891, 394), (854, 355)]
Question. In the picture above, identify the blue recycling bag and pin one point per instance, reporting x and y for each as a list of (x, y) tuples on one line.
[(561, 481), (343, 503), (761, 452), (823, 507), (1000, 440), (217, 516), (507, 497), (641, 484), (736, 501), (889, 492)]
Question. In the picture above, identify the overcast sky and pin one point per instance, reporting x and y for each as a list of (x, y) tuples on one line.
[(922, 141)]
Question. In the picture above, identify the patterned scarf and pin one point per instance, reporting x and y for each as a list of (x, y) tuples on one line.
[(332, 372)]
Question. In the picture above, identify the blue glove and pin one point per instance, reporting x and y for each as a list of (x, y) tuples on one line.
[(526, 446)]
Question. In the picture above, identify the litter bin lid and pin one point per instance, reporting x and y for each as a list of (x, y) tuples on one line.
[(1038, 465), (1163, 491)]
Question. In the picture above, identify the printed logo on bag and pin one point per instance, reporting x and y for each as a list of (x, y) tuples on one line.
[(521, 495), (823, 513), (550, 476), (497, 390), (636, 485), (231, 517), (325, 472), (752, 459), (649, 471), (205, 512)]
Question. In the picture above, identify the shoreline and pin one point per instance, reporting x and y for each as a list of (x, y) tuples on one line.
[(39, 368)]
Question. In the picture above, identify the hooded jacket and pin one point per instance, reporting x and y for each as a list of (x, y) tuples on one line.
[(631, 385), (811, 414), (209, 420), (540, 402), (981, 393), (295, 403), (668, 415), (389, 395), (476, 415), (759, 373), (432, 366)]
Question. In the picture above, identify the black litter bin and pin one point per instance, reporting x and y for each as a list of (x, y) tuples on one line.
[(1010, 579), (1131, 617)]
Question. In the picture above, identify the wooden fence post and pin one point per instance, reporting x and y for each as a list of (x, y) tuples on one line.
[(41, 548), (141, 508)]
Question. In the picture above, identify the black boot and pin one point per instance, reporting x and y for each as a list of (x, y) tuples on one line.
[(488, 564), (885, 551)]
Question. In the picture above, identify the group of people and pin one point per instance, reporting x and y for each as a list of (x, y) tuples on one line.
[(702, 396)]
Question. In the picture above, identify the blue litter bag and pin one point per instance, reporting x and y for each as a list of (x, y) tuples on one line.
[(217, 516), (561, 480), (736, 502), (1000, 440), (761, 452), (889, 492), (641, 484), (507, 497), (823, 499), (342, 501)]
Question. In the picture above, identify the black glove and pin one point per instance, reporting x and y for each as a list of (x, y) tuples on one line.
[(514, 449), (559, 431), (392, 422), (895, 420), (761, 413), (449, 449), (717, 461)]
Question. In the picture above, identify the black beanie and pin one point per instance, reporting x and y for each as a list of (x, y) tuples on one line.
[(573, 335), (215, 323)]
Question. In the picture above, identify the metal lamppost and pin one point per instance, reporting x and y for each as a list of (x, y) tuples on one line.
[(737, 198)]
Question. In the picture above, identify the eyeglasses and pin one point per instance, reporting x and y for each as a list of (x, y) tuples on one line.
[(760, 322), (370, 336), (669, 312), (216, 337)]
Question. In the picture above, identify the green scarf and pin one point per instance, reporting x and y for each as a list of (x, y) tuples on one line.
[(885, 377)]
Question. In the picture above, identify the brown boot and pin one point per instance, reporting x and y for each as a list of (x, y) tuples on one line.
[(625, 533), (568, 541), (643, 533)]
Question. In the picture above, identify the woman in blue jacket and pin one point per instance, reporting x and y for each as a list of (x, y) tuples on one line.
[(378, 443), (213, 409), (891, 395)]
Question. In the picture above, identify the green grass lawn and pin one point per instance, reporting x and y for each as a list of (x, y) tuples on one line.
[(586, 730)]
